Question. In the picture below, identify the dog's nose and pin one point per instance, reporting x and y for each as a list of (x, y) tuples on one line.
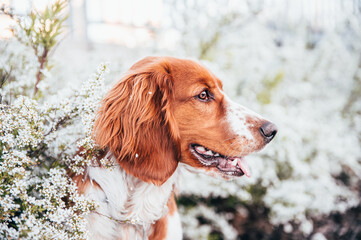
[(268, 130)]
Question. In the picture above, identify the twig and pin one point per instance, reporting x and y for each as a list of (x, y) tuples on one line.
[(43, 59)]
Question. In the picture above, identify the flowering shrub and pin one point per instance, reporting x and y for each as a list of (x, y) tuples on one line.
[(37, 198), (38, 141)]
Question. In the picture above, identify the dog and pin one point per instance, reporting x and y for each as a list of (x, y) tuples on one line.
[(164, 114)]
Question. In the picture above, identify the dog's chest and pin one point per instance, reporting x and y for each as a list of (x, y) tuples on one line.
[(127, 206)]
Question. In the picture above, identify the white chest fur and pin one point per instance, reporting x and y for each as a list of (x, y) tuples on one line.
[(123, 197)]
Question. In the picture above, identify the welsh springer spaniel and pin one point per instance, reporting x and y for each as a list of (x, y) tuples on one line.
[(163, 115)]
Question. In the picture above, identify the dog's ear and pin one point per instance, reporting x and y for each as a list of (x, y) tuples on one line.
[(136, 122)]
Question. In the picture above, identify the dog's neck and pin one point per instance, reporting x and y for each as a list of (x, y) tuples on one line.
[(127, 206)]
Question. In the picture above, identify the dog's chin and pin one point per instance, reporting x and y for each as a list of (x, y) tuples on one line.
[(215, 163)]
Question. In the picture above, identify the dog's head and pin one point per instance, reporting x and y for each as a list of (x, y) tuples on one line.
[(167, 110)]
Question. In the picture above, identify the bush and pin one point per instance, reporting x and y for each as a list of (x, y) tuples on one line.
[(38, 140)]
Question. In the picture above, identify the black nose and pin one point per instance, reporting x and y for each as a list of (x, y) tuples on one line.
[(268, 130)]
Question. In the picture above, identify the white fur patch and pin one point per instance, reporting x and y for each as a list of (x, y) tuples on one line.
[(174, 227), (237, 118), (124, 197)]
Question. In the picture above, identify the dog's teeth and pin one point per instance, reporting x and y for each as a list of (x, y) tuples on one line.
[(216, 155), (234, 162), (209, 152), (200, 149)]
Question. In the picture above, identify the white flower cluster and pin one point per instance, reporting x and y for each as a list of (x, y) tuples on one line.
[(86, 102), (219, 222), (37, 200), (23, 30), (71, 124), (38, 142), (92, 90), (17, 61)]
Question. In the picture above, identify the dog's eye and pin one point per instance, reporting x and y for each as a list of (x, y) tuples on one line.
[(204, 95)]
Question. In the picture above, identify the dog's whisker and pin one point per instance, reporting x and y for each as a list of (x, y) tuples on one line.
[(230, 146), (228, 139)]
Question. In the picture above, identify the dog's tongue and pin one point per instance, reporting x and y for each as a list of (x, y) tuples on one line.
[(243, 166)]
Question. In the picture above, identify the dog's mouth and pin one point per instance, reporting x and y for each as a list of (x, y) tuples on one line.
[(235, 166)]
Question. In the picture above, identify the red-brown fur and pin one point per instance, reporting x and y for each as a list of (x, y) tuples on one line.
[(136, 123), (150, 116)]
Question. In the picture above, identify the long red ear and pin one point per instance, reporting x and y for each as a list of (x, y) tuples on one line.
[(136, 122)]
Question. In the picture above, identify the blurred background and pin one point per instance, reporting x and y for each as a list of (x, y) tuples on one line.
[(295, 62)]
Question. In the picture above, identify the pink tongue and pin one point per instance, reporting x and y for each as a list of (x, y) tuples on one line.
[(244, 167)]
